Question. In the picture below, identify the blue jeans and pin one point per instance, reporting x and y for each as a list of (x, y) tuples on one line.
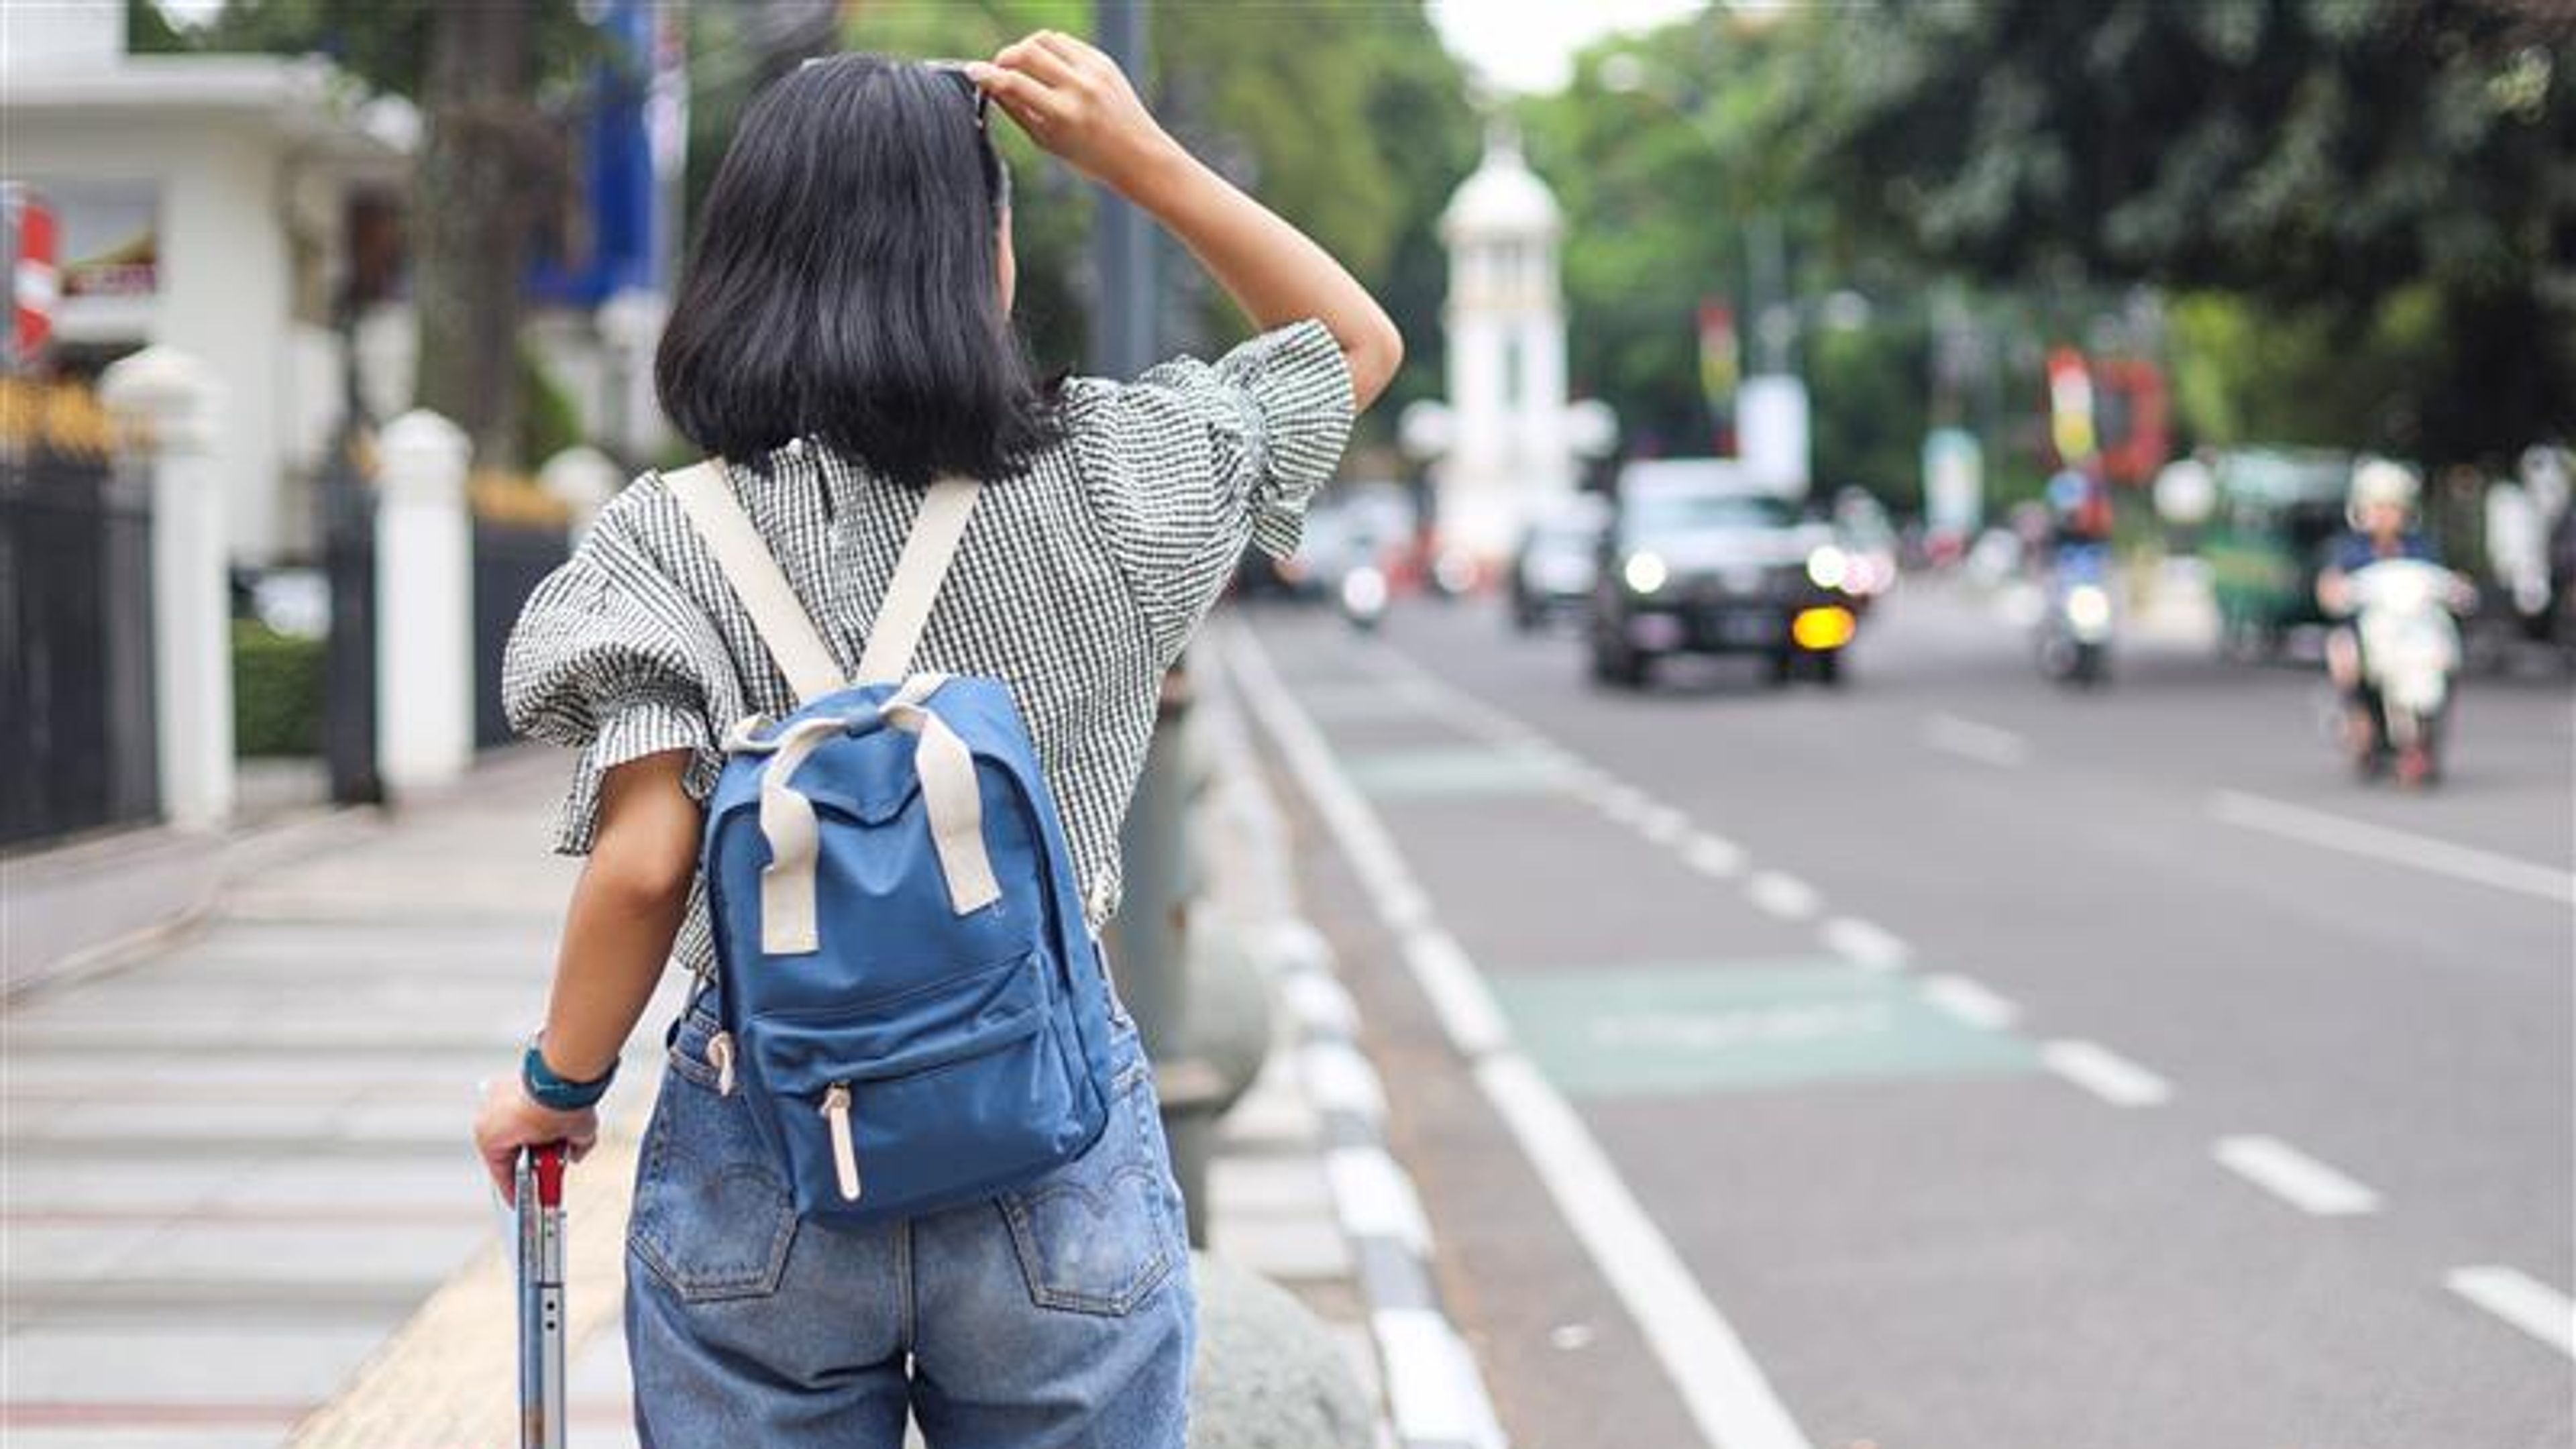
[(1057, 1316)]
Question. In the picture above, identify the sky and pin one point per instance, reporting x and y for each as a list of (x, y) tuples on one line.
[(1528, 46)]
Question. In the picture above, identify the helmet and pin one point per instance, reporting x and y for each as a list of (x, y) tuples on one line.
[(2378, 481)]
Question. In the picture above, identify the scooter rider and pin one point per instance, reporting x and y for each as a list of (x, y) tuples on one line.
[(2380, 509)]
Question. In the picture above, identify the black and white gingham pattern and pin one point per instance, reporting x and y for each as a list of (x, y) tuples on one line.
[(1077, 583)]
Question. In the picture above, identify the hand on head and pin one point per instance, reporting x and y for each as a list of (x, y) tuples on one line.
[(1074, 101)]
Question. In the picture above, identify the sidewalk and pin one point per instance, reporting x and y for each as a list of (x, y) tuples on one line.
[(238, 1202)]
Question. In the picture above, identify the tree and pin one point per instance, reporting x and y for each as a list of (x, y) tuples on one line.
[(2324, 160), (489, 157), (1350, 120)]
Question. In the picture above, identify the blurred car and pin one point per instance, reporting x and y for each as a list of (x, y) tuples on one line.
[(1698, 560), (1558, 562)]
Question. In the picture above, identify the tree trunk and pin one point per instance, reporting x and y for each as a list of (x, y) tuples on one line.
[(471, 218)]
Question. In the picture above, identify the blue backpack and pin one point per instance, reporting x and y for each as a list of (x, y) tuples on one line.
[(913, 1008)]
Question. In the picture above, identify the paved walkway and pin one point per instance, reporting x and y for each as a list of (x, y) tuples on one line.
[(237, 1207)]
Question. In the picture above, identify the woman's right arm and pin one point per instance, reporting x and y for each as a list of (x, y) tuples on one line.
[(1072, 100)]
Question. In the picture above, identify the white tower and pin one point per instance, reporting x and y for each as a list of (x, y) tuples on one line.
[(1507, 444)]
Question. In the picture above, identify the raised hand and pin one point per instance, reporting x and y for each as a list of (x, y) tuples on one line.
[(1074, 101)]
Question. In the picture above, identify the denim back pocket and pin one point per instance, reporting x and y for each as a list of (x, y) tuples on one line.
[(1101, 1233), (713, 1219)]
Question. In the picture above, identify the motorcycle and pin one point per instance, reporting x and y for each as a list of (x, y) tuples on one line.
[(1363, 595), (2075, 631), (2410, 655)]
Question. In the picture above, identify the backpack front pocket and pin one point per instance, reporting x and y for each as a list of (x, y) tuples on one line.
[(943, 1093)]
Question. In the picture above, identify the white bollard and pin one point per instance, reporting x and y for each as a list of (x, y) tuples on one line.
[(582, 479), (424, 605), (174, 399)]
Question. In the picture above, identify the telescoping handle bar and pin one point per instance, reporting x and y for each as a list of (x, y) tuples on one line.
[(541, 1297)]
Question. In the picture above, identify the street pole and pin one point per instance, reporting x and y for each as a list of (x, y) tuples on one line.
[(1150, 938), (1122, 237)]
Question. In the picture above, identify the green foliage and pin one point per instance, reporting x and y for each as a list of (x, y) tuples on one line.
[(1664, 150), (1349, 120), (149, 32), (2332, 163), (2326, 376), (277, 691), (382, 42), (2370, 206), (1866, 384), (549, 422)]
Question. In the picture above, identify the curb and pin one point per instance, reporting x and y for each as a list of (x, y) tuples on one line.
[(1436, 1395)]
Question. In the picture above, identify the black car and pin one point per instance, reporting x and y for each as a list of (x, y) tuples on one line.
[(1697, 561)]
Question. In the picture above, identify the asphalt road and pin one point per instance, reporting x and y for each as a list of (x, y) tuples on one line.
[(1948, 1061)]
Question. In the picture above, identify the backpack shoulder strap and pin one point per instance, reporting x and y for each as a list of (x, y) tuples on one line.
[(753, 573), (927, 551)]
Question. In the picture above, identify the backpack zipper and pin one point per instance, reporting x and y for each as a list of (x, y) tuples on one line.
[(845, 1156)]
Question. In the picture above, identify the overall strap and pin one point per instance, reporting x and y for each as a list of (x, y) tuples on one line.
[(753, 572), (917, 575)]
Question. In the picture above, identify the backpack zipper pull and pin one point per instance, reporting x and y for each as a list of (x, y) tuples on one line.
[(720, 1054), (845, 1156)]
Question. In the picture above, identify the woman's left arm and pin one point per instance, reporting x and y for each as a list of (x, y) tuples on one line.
[(617, 938)]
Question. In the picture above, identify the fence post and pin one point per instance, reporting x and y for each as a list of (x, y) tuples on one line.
[(424, 604), (582, 479), (173, 399)]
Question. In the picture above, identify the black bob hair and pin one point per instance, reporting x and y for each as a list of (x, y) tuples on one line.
[(844, 283)]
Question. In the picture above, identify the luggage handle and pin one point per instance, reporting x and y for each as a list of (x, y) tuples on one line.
[(540, 1187)]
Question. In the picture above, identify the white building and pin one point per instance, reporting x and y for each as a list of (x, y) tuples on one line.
[(1507, 442), (205, 203)]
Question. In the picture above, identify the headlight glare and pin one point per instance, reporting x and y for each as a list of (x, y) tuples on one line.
[(1644, 572)]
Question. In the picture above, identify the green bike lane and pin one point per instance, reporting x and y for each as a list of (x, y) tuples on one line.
[(1922, 1236)]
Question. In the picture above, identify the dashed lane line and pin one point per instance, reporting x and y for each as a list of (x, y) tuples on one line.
[(1970, 1002), (1865, 944), (2294, 1177), (1712, 855), (2519, 1299), (2107, 1075), (1984, 743), (1783, 895)]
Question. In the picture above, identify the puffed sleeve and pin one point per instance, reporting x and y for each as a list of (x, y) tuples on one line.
[(1194, 460), (610, 658)]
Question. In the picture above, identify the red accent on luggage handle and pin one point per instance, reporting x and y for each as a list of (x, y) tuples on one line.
[(549, 1163)]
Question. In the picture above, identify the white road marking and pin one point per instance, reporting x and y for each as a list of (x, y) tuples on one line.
[(1984, 743), (1406, 905), (1866, 944), (1663, 825), (2521, 1300), (2398, 847), (1970, 1002), (1712, 855), (1783, 895), (2294, 1177), (1706, 1361), (1724, 1391), (1457, 990), (1434, 1392), (2115, 1079), (1624, 804)]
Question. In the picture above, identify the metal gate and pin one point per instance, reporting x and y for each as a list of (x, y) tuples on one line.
[(76, 706), (510, 558)]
